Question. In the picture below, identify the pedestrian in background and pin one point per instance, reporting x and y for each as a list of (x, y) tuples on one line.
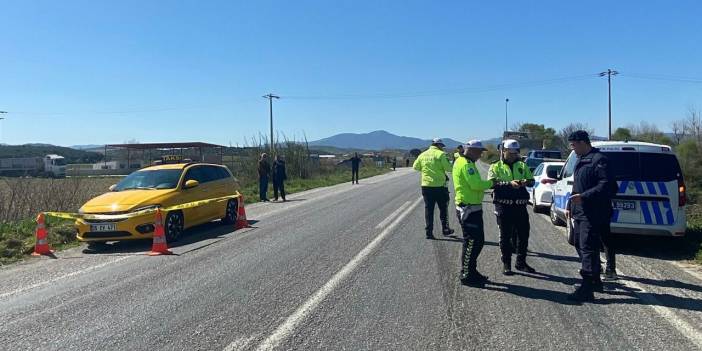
[(469, 188), (264, 170), (394, 163), (355, 165), (279, 177), (591, 210), (433, 164)]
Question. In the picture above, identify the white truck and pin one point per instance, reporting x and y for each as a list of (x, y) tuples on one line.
[(53, 166)]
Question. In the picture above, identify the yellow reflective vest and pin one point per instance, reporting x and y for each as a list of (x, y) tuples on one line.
[(468, 185), (433, 164)]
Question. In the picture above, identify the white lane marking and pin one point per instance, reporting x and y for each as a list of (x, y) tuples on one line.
[(85, 270), (387, 220), (239, 344), (288, 327), (685, 328)]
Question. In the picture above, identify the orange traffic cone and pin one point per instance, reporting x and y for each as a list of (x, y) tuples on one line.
[(241, 221), (42, 244), (159, 246)]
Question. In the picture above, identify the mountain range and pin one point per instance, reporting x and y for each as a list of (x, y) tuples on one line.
[(378, 140)]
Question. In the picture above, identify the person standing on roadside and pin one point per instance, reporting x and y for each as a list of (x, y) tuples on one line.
[(264, 170), (591, 210), (510, 198), (469, 188), (355, 166), (433, 164), (279, 177)]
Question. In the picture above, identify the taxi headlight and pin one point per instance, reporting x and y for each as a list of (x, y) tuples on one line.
[(144, 208)]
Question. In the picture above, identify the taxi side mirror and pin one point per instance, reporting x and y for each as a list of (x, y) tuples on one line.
[(112, 187), (191, 184)]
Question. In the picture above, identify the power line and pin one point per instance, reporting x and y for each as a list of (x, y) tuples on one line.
[(662, 77), (442, 92)]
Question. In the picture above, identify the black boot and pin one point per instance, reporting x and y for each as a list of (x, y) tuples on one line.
[(583, 292), (524, 267), (597, 285), (430, 235), (507, 268), (474, 278), (447, 231)]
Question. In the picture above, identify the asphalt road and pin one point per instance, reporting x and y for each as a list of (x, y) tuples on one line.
[(341, 268)]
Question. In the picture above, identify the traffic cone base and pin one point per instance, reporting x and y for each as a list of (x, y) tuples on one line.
[(241, 221), (42, 242), (160, 244)]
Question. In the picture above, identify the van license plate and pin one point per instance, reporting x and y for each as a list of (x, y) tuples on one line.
[(103, 227), (624, 205)]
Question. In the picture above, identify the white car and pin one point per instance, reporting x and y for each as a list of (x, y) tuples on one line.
[(545, 176), (651, 192)]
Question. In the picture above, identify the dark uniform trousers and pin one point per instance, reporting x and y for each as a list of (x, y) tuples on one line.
[(513, 220), (473, 241), (588, 238), (354, 175), (435, 196), (278, 186)]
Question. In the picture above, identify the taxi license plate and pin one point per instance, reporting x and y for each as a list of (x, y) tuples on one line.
[(103, 227), (624, 205)]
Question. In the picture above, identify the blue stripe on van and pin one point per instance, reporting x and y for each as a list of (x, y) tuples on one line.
[(657, 212), (615, 216), (639, 188), (669, 212), (622, 187), (663, 188), (646, 212), (651, 188)]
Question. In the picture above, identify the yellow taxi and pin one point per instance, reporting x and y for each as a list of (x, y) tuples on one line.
[(115, 215)]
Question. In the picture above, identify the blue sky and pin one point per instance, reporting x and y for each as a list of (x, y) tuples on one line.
[(94, 72)]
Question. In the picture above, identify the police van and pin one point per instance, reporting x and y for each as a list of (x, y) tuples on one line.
[(650, 198)]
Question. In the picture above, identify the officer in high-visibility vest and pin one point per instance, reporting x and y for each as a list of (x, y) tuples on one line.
[(434, 164), (510, 198), (459, 153), (470, 189)]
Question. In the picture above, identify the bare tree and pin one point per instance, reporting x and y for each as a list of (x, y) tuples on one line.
[(567, 130), (678, 128), (693, 123)]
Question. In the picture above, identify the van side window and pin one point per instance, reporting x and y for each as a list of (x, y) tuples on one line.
[(569, 167), (196, 173)]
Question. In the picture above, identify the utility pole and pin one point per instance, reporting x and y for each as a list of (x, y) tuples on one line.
[(609, 75), (270, 98), (506, 101), (1, 119)]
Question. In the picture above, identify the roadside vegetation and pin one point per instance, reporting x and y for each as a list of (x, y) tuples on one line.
[(21, 199)]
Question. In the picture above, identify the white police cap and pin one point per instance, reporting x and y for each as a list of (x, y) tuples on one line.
[(510, 144), (475, 144)]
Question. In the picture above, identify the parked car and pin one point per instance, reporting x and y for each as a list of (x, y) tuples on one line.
[(651, 192), (545, 176), (535, 157), (160, 186)]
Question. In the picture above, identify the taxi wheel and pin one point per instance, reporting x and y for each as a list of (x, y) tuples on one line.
[(230, 214), (174, 226)]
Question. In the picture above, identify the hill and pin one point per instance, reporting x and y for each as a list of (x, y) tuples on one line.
[(41, 150), (378, 140)]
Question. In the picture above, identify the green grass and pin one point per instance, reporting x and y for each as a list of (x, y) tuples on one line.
[(17, 238), (693, 237)]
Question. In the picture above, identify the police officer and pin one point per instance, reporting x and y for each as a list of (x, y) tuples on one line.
[(591, 210), (469, 189), (510, 198), (434, 164), (459, 153)]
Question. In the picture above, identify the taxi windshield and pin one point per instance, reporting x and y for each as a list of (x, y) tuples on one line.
[(150, 179)]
